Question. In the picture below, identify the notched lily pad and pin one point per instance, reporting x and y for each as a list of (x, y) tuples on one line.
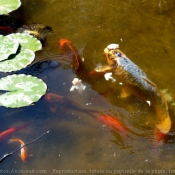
[(8, 46), (21, 60), (22, 89), (27, 41), (7, 6)]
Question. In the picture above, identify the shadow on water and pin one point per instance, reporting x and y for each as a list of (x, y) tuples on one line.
[(145, 32)]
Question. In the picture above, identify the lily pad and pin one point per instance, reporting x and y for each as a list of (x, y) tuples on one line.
[(22, 89), (7, 6), (27, 41), (21, 60), (8, 46)]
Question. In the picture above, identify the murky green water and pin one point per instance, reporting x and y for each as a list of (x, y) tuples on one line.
[(145, 32)]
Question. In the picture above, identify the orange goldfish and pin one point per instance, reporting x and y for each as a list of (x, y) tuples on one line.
[(66, 48), (24, 154), (114, 123), (7, 133), (65, 102), (55, 99)]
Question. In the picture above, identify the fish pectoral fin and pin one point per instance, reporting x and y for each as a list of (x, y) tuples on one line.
[(149, 82), (103, 68), (125, 92)]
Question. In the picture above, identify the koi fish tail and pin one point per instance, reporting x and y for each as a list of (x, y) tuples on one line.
[(162, 111), (165, 125)]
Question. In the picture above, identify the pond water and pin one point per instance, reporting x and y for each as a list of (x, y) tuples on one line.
[(79, 143)]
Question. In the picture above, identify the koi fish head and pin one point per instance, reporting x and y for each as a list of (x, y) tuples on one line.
[(51, 97), (63, 43), (67, 48), (112, 53), (53, 100)]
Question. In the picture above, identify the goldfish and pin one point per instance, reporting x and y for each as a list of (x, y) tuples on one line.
[(136, 82), (7, 133), (57, 101), (39, 31), (6, 30), (24, 154), (66, 48), (114, 123)]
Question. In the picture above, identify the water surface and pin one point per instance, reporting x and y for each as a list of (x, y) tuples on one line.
[(77, 141)]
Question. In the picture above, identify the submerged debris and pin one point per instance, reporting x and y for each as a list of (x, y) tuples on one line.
[(108, 76), (77, 85)]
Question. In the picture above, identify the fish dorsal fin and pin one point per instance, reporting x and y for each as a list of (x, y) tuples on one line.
[(149, 82)]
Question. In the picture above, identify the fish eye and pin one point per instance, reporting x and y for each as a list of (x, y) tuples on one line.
[(118, 54)]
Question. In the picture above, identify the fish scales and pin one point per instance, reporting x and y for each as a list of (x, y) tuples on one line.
[(133, 77)]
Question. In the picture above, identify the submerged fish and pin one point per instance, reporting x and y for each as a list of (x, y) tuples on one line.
[(24, 154), (56, 101), (39, 31), (11, 21), (5, 30), (136, 82), (114, 123), (7, 133), (67, 48)]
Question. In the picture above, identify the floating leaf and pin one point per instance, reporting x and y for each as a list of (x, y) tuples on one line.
[(22, 89), (21, 60), (27, 41), (8, 46), (7, 6)]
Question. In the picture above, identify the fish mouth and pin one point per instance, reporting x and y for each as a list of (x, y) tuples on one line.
[(112, 52), (106, 51), (110, 47)]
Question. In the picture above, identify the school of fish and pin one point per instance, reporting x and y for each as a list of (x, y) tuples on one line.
[(134, 81)]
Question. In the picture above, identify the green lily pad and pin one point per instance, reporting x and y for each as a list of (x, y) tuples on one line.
[(21, 60), (22, 89), (8, 46), (27, 41), (7, 6)]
